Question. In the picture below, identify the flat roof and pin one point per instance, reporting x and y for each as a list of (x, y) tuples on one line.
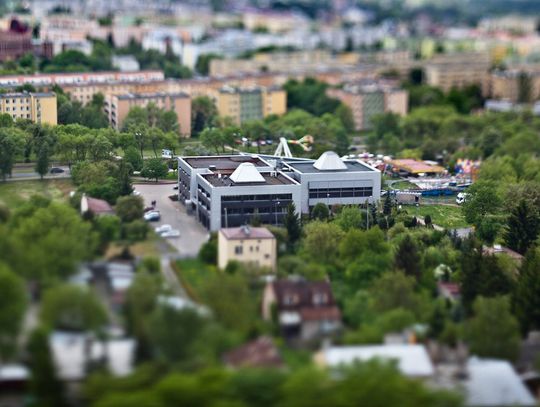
[(224, 162), (132, 96), (279, 179), (308, 168)]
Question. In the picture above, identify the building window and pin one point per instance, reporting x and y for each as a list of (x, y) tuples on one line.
[(319, 298), (238, 250)]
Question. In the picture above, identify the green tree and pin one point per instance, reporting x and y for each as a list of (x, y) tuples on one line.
[(344, 113), (320, 212), (43, 157), (493, 331), (155, 168), (202, 65), (203, 114), (11, 144), (45, 386), (292, 224), (212, 138), (51, 241), (129, 208), (524, 87), (321, 241), (350, 217), (483, 200), (72, 308), (174, 333), (133, 157), (12, 309), (522, 228), (407, 257), (526, 296)]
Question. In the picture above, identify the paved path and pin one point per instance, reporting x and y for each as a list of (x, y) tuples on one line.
[(192, 234)]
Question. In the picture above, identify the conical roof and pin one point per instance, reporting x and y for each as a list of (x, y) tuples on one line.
[(246, 172), (329, 161)]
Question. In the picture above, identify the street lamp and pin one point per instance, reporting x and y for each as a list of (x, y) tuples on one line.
[(275, 212)]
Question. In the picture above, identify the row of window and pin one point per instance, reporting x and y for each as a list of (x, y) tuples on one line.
[(341, 192), (266, 209), (265, 197)]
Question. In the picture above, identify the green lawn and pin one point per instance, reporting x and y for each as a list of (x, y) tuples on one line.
[(192, 273), (402, 185), (447, 216), (15, 193)]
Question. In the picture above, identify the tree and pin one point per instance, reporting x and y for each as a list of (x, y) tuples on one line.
[(51, 240), (493, 331), (212, 138), (174, 333), (203, 63), (72, 308), (12, 309), (129, 208), (522, 228), (45, 386), (350, 217), (11, 144), (407, 257), (483, 200), (133, 157), (42, 163), (155, 168), (387, 206), (321, 241), (344, 113), (292, 224), (526, 296), (320, 212), (203, 114), (524, 87)]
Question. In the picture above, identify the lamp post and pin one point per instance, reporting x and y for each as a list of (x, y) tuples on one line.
[(275, 212)]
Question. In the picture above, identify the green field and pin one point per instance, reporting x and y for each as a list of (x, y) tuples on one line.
[(446, 216), (14, 193)]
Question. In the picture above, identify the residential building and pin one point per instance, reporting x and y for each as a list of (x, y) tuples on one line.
[(306, 310), (164, 40), (80, 78), (259, 353), (37, 107), (516, 85), (117, 107), (369, 98), (273, 21), (228, 191), (457, 70), (125, 63), (412, 360), (94, 206), (244, 104), (15, 42), (250, 245)]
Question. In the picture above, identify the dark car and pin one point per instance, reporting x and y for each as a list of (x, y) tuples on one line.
[(175, 187), (56, 170)]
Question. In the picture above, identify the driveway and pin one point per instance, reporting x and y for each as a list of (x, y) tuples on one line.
[(192, 234)]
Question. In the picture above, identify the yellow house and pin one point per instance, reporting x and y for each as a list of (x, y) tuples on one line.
[(37, 107), (247, 244)]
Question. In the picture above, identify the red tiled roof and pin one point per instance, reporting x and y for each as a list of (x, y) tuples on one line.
[(303, 294), (246, 232), (99, 206), (258, 353)]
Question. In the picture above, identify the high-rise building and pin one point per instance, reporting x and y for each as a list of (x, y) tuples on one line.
[(457, 70), (37, 107), (369, 98), (255, 103), (15, 42)]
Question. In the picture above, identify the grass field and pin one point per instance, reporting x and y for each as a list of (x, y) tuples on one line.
[(447, 216), (15, 193), (192, 273), (403, 185)]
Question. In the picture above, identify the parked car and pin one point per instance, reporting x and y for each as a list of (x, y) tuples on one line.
[(57, 170), (175, 187), (149, 208), (152, 216), (163, 228), (171, 233), (136, 193)]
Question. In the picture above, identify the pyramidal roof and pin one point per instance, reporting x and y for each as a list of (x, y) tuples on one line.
[(329, 161), (246, 172)]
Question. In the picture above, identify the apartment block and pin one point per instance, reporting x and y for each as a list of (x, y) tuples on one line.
[(457, 70), (15, 42), (369, 98), (507, 85), (37, 107), (255, 103), (117, 107)]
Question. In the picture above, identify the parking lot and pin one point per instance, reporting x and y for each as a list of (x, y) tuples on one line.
[(192, 234)]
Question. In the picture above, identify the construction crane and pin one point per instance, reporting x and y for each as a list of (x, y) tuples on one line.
[(283, 149)]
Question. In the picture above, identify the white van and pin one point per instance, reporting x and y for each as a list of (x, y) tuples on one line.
[(461, 197)]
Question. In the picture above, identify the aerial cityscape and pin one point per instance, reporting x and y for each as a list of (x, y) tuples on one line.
[(269, 203)]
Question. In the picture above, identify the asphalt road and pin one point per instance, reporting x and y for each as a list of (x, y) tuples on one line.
[(192, 234)]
